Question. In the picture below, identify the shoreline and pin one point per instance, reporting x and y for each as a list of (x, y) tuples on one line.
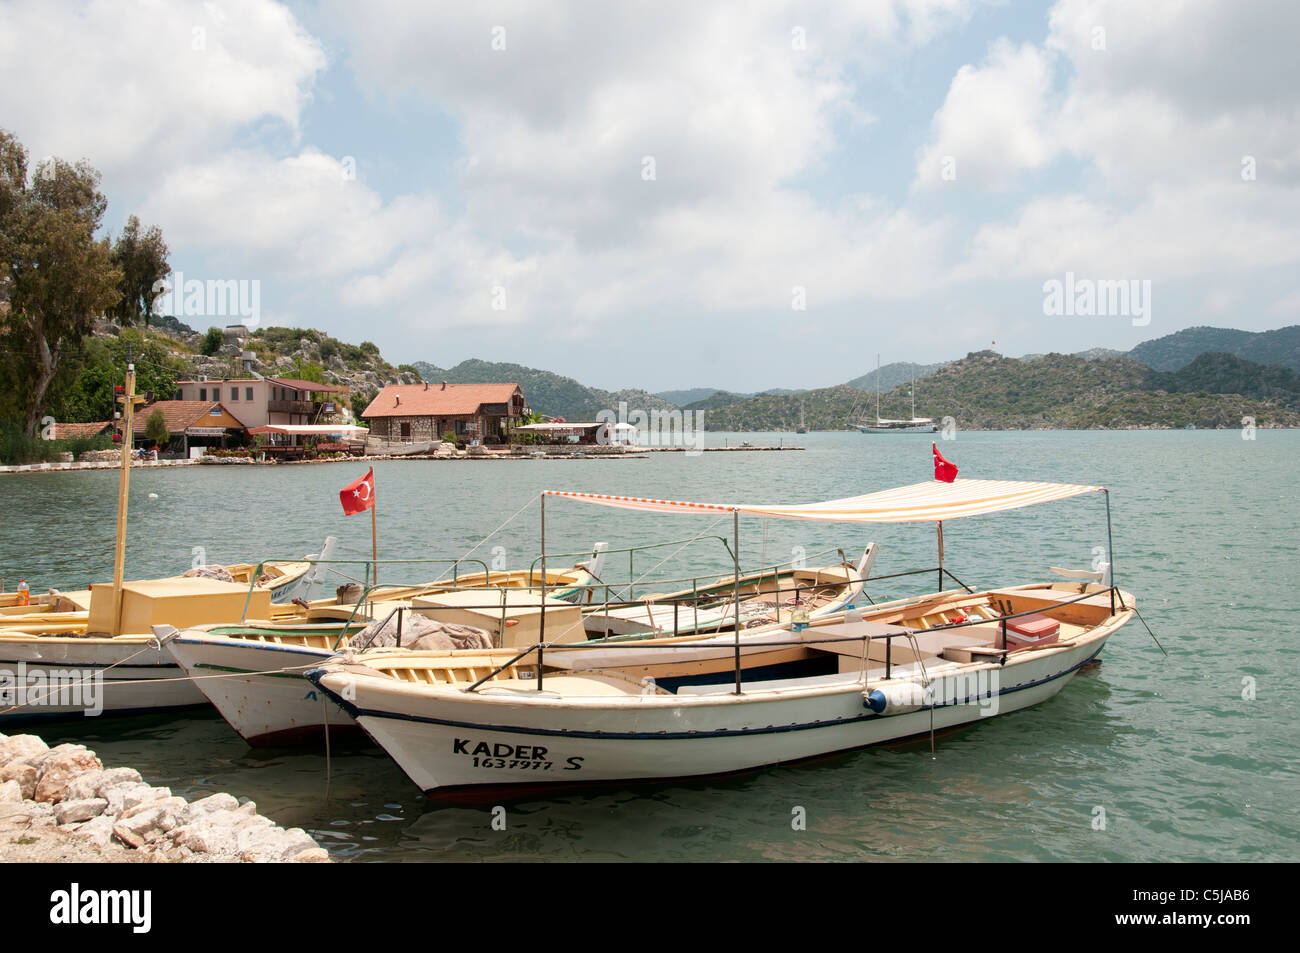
[(639, 454), (61, 805)]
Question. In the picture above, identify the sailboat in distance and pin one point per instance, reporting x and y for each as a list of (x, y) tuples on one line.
[(886, 425)]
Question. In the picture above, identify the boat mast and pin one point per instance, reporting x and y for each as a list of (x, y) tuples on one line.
[(877, 388), (123, 486)]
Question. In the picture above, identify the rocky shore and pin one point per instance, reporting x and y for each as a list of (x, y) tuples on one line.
[(61, 804)]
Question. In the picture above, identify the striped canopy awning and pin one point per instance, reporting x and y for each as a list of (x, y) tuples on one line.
[(920, 503)]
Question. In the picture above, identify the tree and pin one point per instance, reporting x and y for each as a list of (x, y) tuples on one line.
[(83, 389), (361, 400), (155, 429), (212, 341), (307, 371), (61, 278), (143, 261)]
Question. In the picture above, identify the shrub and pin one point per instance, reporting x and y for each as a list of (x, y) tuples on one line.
[(211, 342)]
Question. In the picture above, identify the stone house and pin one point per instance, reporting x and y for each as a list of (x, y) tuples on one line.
[(413, 413)]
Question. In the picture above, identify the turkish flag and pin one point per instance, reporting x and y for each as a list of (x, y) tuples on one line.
[(944, 471), (359, 496)]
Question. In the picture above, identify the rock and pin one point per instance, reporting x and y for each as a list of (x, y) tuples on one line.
[(11, 792), (114, 777), (74, 812), (167, 803), (23, 773), (123, 797), (312, 855), (211, 803), (15, 815), (21, 748), (297, 840), (41, 814), (98, 829), (262, 845), (39, 761), (127, 836), (84, 786), (152, 820), (58, 771), (204, 837)]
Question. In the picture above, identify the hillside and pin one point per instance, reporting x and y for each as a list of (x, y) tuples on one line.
[(697, 395), (1175, 351), (986, 391), (547, 393), (689, 396), (894, 375)]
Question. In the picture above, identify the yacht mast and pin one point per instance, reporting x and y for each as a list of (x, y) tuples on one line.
[(877, 388)]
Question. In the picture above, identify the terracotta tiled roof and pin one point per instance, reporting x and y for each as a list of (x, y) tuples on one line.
[(80, 431), (181, 414), (417, 400)]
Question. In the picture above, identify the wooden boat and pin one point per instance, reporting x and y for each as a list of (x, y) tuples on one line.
[(53, 669), (252, 673), (286, 580), (766, 598), (637, 711)]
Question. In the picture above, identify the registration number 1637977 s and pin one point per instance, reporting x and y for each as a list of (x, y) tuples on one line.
[(507, 756)]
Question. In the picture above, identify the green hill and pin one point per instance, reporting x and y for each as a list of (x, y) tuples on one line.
[(547, 393), (1174, 351), (689, 396), (986, 391), (894, 375)]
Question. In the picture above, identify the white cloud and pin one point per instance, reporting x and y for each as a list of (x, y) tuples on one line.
[(1175, 232), (123, 84), (301, 215), (557, 126), (995, 122)]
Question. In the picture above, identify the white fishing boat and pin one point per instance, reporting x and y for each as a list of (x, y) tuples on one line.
[(766, 598), (635, 711), (54, 669), (885, 425), (252, 673)]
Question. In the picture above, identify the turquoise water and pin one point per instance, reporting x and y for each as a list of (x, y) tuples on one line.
[(1206, 527)]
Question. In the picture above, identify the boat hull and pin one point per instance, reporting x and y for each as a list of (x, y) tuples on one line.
[(925, 428), (448, 741), (247, 683), (60, 678)]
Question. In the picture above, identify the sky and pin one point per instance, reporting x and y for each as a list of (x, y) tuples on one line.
[(666, 194)]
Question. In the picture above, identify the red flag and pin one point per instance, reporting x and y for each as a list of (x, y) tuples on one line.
[(944, 471), (359, 496)]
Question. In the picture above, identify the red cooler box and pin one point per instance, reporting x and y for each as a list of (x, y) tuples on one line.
[(1032, 630)]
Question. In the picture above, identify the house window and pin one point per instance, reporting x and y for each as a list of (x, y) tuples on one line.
[(406, 430), (203, 393), (248, 393), (234, 393)]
